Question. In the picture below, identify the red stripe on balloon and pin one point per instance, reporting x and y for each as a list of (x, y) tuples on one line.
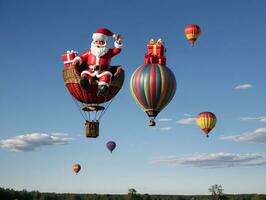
[(207, 115), (192, 29), (137, 86), (153, 85)]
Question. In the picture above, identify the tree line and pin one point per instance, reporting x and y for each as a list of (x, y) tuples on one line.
[(216, 194)]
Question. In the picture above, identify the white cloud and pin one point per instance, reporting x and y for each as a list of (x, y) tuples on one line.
[(248, 118), (166, 128), (59, 134), (30, 142), (258, 136), (215, 160), (164, 119), (187, 115), (186, 121), (261, 119), (243, 86)]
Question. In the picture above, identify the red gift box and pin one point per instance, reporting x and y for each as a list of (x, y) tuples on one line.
[(162, 60), (68, 58), (146, 59), (150, 59), (153, 60), (160, 50), (156, 48)]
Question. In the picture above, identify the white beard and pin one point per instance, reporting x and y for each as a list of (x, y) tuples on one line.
[(99, 51)]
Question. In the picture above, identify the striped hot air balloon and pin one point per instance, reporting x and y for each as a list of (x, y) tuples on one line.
[(206, 121), (153, 84), (153, 87), (192, 32)]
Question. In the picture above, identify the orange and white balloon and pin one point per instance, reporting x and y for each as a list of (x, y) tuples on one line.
[(76, 168)]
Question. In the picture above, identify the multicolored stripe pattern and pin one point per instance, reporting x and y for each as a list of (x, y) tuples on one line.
[(153, 86), (192, 32), (206, 121)]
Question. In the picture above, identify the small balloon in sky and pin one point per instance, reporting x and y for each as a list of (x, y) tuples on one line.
[(206, 121), (76, 168), (111, 145), (192, 32)]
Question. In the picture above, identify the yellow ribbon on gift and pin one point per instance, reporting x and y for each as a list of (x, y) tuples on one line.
[(155, 44)]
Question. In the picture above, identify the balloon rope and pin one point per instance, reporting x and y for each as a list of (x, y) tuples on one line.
[(102, 113), (104, 104), (87, 113), (95, 118), (89, 116), (79, 108), (76, 94)]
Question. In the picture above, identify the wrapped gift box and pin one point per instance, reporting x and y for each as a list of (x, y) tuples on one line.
[(68, 57), (146, 59), (162, 60), (156, 49), (153, 59)]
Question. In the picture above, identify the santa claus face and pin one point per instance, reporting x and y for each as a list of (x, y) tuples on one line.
[(99, 47), (99, 42)]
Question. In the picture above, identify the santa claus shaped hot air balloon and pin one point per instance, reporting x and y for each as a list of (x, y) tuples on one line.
[(153, 84), (192, 32), (91, 80)]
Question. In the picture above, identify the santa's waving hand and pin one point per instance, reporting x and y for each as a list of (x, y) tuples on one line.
[(98, 59)]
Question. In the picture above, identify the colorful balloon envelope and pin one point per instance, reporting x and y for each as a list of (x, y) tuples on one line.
[(76, 168), (111, 146), (153, 85), (206, 121), (192, 32)]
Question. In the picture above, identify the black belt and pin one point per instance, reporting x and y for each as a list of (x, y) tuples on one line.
[(99, 68)]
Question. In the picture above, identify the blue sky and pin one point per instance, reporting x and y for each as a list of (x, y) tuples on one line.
[(224, 73)]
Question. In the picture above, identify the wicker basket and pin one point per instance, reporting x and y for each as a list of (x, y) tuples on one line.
[(92, 129), (71, 75)]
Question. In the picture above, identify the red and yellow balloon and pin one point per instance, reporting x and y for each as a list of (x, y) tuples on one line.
[(206, 121), (192, 32)]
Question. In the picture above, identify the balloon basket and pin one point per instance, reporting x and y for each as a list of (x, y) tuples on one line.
[(92, 129), (152, 122)]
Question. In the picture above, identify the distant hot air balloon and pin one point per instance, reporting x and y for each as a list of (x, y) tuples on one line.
[(76, 168), (111, 146), (153, 84), (192, 32), (206, 121)]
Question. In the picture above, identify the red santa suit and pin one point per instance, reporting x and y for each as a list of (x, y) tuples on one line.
[(98, 66)]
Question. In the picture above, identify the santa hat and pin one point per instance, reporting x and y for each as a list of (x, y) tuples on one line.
[(102, 34)]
